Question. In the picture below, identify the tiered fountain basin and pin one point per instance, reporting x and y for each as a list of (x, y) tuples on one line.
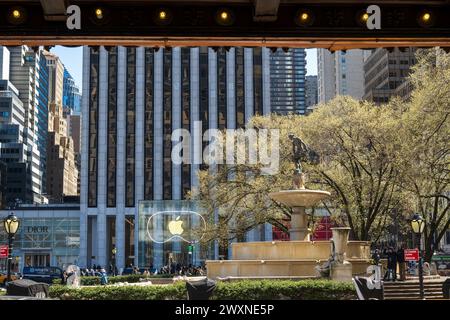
[(300, 197), (285, 259), (299, 257)]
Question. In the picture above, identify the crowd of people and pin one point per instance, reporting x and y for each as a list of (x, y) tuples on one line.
[(183, 270), (95, 271), (395, 258), (170, 269)]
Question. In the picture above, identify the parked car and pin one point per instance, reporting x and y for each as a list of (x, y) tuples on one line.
[(4, 275), (43, 274)]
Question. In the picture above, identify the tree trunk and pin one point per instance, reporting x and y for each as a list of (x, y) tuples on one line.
[(428, 249)]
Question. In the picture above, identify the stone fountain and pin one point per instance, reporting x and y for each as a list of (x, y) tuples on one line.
[(300, 257)]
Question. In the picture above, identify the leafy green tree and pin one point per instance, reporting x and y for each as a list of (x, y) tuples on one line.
[(357, 144), (426, 126), (381, 164)]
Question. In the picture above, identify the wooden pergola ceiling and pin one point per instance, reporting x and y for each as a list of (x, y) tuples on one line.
[(334, 24)]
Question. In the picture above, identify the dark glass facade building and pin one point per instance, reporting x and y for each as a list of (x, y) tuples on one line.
[(134, 99)]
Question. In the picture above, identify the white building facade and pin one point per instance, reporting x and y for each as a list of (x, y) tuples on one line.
[(340, 73)]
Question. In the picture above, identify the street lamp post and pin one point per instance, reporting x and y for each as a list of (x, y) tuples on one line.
[(11, 224), (114, 251), (418, 225)]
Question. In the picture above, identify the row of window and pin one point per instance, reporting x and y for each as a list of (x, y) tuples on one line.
[(130, 139), (10, 151)]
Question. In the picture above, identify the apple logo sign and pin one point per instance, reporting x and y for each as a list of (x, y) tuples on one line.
[(175, 227), (160, 229)]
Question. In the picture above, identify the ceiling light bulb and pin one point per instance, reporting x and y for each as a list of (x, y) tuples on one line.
[(99, 13), (16, 14)]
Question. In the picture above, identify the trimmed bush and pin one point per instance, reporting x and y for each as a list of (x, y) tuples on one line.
[(236, 290), (284, 289), (132, 278), (169, 292)]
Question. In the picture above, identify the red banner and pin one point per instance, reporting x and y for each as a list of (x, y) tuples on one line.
[(3, 251), (412, 255)]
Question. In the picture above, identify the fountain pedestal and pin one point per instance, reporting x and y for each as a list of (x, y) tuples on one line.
[(299, 225), (299, 200)]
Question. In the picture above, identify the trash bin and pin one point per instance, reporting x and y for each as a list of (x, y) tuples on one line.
[(446, 289), (201, 289), (27, 288)]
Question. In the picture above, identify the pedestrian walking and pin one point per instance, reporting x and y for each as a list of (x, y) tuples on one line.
[(391, 273), (401, 263), (103, 277)]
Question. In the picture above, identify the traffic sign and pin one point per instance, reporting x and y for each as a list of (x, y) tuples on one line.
[(4, 251), (412, 255)]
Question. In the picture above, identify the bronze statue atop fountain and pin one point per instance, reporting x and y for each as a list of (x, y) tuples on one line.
[(301, 153)]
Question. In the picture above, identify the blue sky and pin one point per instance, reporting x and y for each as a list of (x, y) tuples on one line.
[(311, 62), (73, 60)]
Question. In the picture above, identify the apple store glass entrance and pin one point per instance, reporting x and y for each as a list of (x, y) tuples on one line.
[(170, 233)]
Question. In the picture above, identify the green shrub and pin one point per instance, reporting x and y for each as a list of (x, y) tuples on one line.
[(132, 278), (236, 290), (169, 292), (284, 289)]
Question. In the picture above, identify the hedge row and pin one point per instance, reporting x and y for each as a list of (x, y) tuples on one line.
[(236, 290), (132, 278)]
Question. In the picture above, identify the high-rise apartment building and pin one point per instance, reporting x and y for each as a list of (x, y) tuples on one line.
[(133, 99), (311, 96), (385, 74), (287, 81), (340, 73)]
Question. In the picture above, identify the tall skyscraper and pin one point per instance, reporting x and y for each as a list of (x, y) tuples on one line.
[(385, 74), (340, 73), (326, 88), (71, 93), (29, 75), (62, 176), (22, 166), (74, 132), (133, 98), (4, 63), (55, 78), (62, 173), (287, 81)]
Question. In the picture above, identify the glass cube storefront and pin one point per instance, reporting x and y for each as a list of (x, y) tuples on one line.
[(169, 233), (44, 242)]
